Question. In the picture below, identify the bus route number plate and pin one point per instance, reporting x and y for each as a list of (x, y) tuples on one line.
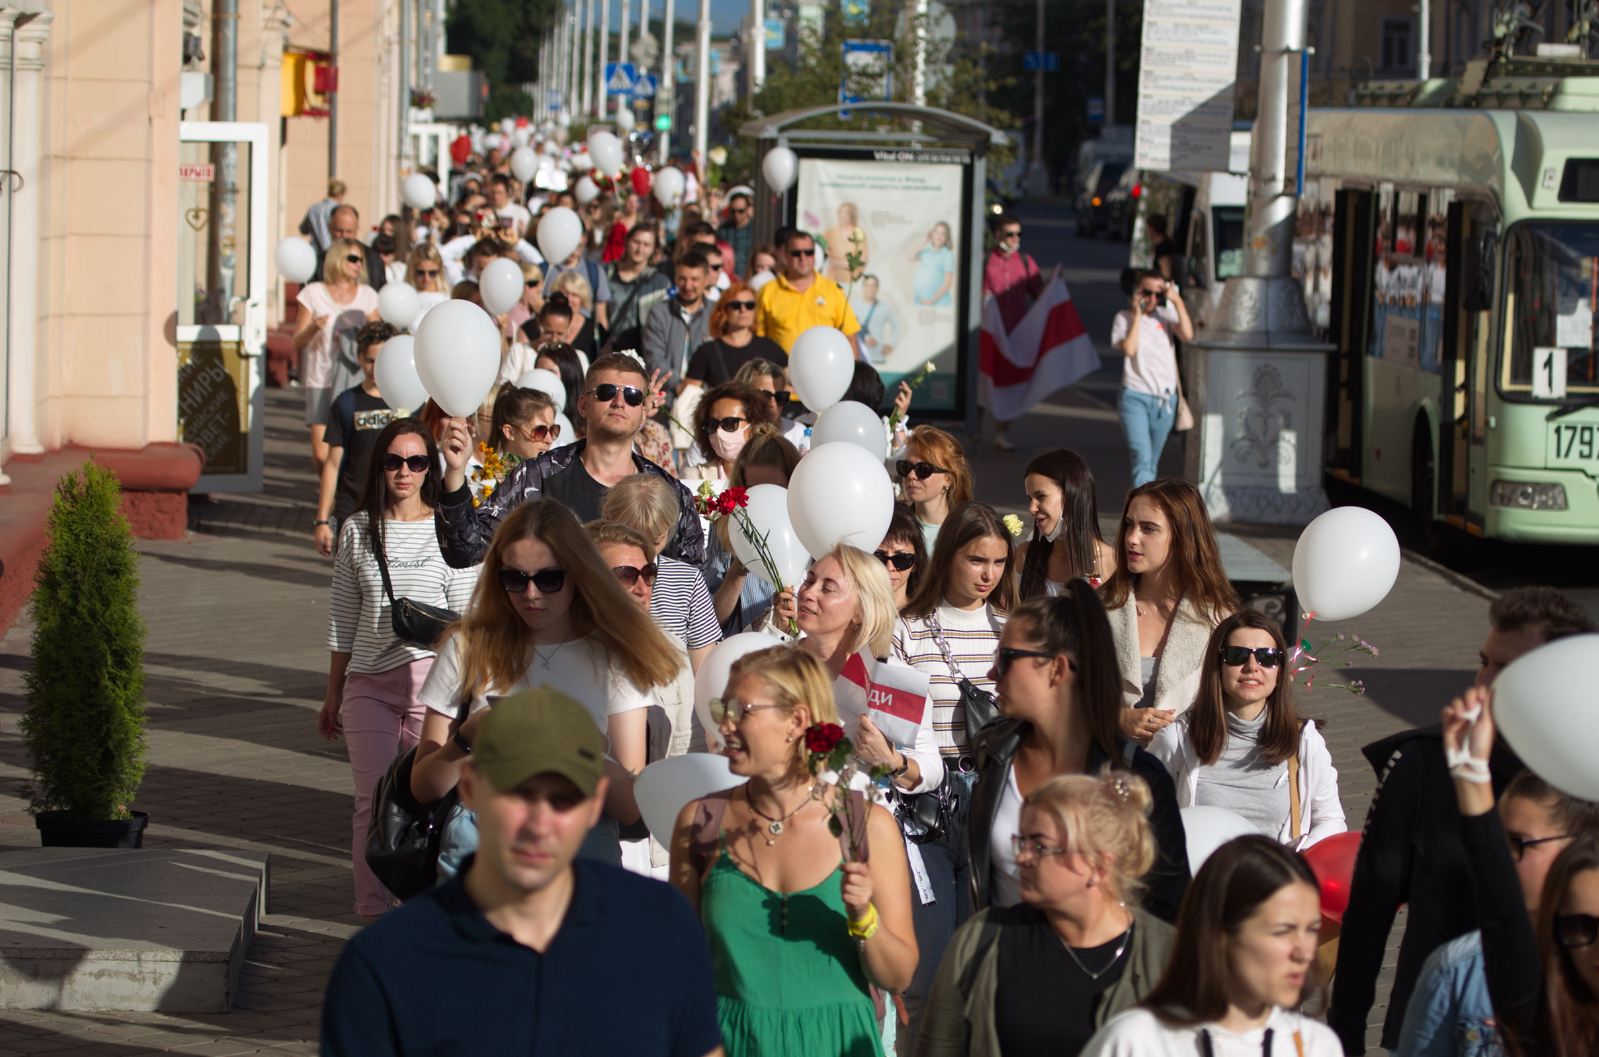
[(1548, 373)]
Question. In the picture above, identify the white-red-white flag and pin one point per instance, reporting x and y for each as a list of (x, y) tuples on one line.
[(1048, 350)]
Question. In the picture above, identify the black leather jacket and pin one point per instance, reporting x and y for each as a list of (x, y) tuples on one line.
[(995, 747), (465, 530)]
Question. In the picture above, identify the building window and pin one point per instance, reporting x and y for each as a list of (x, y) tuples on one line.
[(1398, 54)]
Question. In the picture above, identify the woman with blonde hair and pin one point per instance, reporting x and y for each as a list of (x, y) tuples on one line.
[(934, 478), (680, 603), (801, 920), (331, 314), (583, 333), (547, 611), (424, 270), (1045, 974)]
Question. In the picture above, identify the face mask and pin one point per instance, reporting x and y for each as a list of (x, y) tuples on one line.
[(728, 445), (1060, 526)]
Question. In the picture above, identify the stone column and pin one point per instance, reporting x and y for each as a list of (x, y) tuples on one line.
[(21, 384)]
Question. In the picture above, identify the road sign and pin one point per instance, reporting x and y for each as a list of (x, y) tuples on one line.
[(1048, 61), (663, 122), (776, 37), (645, 86), (552, 98), (1096, 110), (620, 78)]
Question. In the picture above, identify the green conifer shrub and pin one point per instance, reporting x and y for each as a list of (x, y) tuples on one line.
[(84, 728)]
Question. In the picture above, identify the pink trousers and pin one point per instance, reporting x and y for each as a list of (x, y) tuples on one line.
[(382, 718)]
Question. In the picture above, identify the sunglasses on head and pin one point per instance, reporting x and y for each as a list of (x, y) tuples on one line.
[(1004, 657), (414, 463), (901, 561), (1576, 930), (726, 425), (548, 581), (629, 575), (606, 392), (1238, 656), (541, 433), (355, 258), (741, 306), (924, 470), (803, 253)]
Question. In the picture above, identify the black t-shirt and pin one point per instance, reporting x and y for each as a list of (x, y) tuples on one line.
[(354, 422), (1044, 1002), (1167, 248), (574, 487), (705, 366)]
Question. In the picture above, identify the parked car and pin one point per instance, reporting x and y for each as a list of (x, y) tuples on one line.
[(1121, 204), (1090, 203)]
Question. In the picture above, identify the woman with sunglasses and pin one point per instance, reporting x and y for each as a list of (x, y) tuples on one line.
[(733, 341), (1451, 1002), (1242, 963), (903, 553), (1243, 746), (802, 919), (374, 678), (723, 419), (772, 380), (1543, 972), (547, 610), (1042, 976), (1064, 506), (332, 313), (424, 270), (524, 424), (934, 478), (1055, 677)]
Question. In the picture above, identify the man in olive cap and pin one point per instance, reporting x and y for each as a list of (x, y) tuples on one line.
[(530, 950)]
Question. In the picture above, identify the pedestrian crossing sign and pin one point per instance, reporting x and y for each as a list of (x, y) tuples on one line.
[(620, 78)]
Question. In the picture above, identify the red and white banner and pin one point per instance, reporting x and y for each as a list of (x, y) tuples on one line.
[(894, 694), (1048, 350)]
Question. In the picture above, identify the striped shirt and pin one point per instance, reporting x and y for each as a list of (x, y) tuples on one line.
[(973, 636), (359, 620), (681, 606)]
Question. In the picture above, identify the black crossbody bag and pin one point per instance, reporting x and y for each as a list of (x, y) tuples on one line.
[(403, 838), (981, 706), (414, 623)]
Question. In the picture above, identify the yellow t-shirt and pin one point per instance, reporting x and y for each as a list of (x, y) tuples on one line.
[(784, 313)]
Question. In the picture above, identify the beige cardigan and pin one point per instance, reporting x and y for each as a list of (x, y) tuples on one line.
[(1177, 678)]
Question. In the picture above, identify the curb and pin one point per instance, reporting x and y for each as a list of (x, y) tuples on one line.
[(1465, 583)]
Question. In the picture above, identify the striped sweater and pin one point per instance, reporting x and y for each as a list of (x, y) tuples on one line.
[(973, 636)]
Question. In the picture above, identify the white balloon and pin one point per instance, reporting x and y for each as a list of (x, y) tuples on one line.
[(566, 434), (605, 150), (545, 381), (492, 141), (760, 279), (768, 512), (666, 787), (559, 233), (821, 365), (1345, 563), (854, 423), (1539, 701), (624, 119), (397, 304), (1208, 828), (396, 374), (458, 356), (840, 493), (781, 168), (524, 163), (296, 260), (581, 162), (711, 680), (586, 190), (669, 184), (563, 120), (501, 286), (419, 192)]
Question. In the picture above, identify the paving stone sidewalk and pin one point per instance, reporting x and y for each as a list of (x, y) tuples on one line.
[(236, 670)]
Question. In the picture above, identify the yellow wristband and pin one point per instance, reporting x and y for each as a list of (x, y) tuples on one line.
[(866, 928)]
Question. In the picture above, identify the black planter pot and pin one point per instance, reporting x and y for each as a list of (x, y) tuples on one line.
[(58, 832)]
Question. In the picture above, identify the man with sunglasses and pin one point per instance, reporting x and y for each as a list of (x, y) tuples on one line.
[(613, 406), (800, 299), (1411, 851), (739, 232), (355, 419)]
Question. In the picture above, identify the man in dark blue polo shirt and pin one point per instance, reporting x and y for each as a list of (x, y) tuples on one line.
[(530, 951)]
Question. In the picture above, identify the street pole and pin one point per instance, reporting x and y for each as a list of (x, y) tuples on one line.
[(702, 84), (402, 147), (667, 100), (333, 97), (919, 78), (621, 49), (757, 47), (1424, 40), (1038, 104), (588, 56), (601, 100), (1110, 62), (574, 59), (1269, 224)]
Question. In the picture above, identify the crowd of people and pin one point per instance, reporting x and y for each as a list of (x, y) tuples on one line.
[(1014, 877)]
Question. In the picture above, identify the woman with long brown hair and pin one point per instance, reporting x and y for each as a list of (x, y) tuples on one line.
[(547, 611), (1243, 746), (934, 478), (1169, 591), (1066, 543)]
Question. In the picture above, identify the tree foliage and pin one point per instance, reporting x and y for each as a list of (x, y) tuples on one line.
[(84, 728), (503, 38)]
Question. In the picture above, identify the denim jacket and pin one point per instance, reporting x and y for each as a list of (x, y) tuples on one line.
[(1450, 1013)]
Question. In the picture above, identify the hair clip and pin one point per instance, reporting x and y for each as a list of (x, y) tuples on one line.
[(1121, 787)]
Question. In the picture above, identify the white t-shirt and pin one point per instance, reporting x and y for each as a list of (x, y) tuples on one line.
[(518, 216), (1139, 1033), (1153, 371), (337, 335), (580, 668), (1006, 887)]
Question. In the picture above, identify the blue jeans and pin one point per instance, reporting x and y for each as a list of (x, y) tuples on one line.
[(1147, 421)]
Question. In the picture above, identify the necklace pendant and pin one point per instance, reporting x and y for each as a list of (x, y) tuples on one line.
[(545, 664), (775, 828)]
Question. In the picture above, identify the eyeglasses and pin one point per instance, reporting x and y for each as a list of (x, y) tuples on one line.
[(924, 470), (356, 258), (803, 253), (630, 576), (732, 710), (1030, 850), (902, 561), (1519, 845), (426, 273), (741, 306), (548, 581), (540, 433), (1004, 657), (779, 397), (607, 392), (726, 425), (1238, 656), (1576, 930), (414, 463)]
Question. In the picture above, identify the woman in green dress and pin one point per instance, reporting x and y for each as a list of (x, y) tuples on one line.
[(798, 932)]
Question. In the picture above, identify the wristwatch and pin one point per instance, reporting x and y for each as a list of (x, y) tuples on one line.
[(328, 523), (904, 768), (461, 743)]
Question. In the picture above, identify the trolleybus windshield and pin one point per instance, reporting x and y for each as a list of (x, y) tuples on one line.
[(1549, 312)]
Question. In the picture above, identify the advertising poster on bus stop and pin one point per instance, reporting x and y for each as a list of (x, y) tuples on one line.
[(888, 234)]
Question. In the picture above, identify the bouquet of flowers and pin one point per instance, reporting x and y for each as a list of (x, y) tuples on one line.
[(495, 465), (831, 757), (734, 503), (1303, 651)]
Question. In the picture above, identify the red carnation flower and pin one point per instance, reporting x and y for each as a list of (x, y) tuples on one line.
[(823, 737), (737, 498)]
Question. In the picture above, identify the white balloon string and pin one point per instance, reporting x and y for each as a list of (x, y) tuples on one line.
[(1462, 764)]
